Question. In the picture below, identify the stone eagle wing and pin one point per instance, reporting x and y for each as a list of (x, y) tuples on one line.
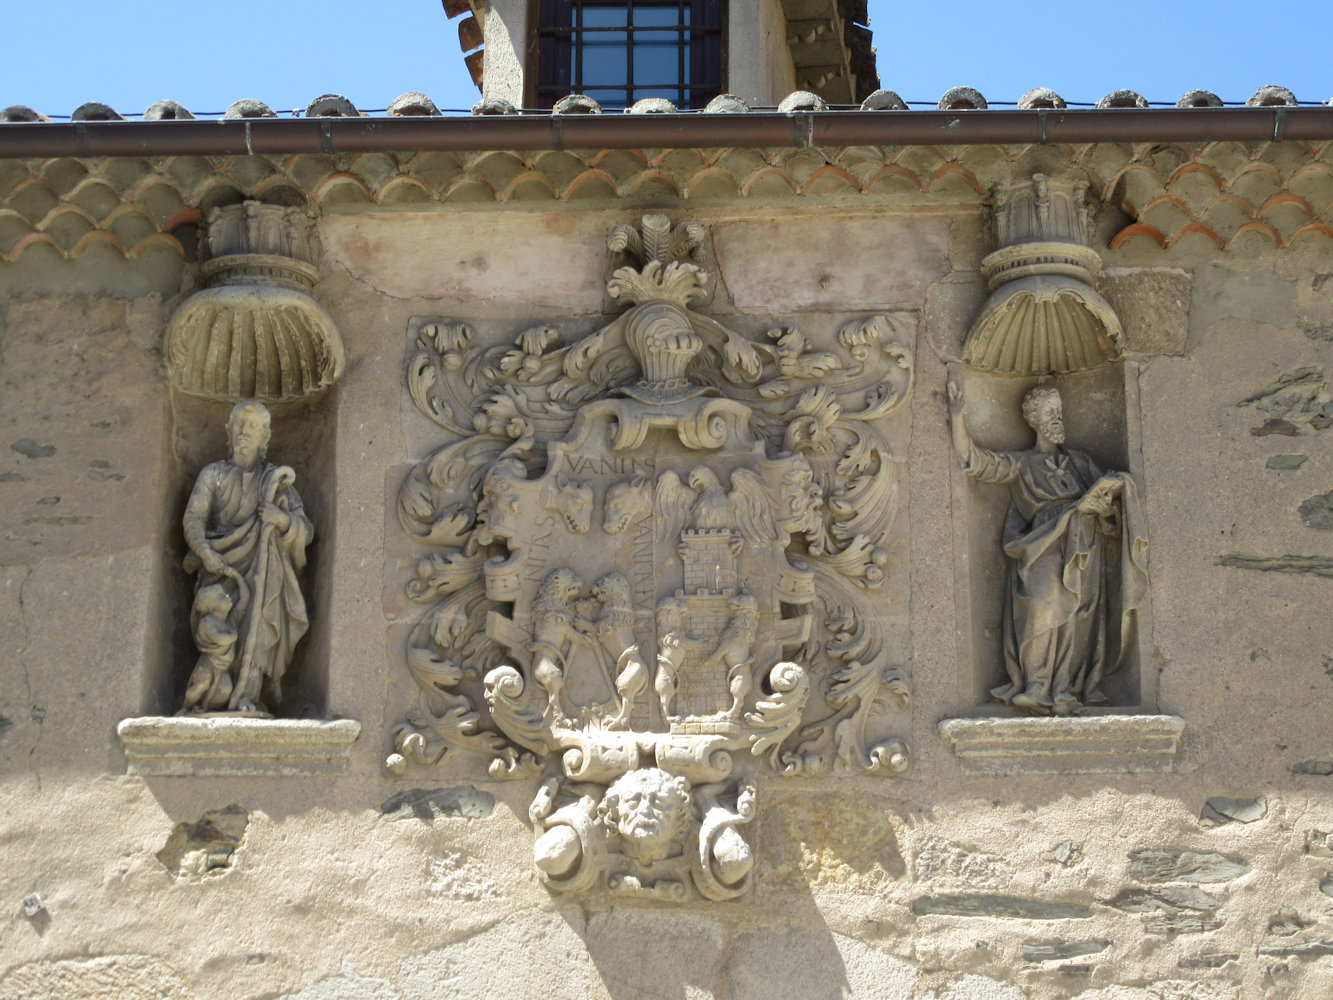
[(751, 509), (672, 503)]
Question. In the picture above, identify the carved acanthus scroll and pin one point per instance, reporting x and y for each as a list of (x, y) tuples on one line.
[(652, 556)]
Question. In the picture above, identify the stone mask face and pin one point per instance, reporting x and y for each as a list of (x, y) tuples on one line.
[(649, 819), (649, 814)]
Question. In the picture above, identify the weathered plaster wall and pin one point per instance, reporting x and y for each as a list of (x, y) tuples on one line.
[(938, 884)]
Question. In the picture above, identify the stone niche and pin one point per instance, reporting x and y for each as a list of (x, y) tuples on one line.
[(1054, 604), (1095, 422), (304, 439), (251, 331)]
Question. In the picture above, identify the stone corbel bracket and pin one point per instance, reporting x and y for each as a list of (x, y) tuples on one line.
[(1073, 745), (1043, 316), (254, 331), (196, 746)]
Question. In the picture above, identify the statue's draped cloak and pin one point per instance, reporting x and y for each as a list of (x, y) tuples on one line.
[(1060, 598), (223, 513)]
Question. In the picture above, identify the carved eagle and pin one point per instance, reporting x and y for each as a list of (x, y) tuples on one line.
[(704, 504)]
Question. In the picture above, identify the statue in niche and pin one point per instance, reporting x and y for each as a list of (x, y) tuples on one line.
[(247, 533), (1060, 639)]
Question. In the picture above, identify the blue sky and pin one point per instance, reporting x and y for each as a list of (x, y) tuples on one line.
[(207, 55)]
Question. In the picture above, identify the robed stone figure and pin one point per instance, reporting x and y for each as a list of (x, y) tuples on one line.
[(247, 534), (1065, 584)]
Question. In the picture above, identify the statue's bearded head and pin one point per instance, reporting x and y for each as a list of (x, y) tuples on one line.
[(249, 430), (1044, 413), (648, 808)]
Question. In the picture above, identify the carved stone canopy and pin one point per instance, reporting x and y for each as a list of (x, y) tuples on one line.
[(254, 331), (1043, 316)]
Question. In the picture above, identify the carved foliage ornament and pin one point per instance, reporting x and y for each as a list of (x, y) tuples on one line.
[(649, 555)]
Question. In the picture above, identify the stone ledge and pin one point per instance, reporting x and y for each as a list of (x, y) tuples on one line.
[(182, 745), (1079, 744)]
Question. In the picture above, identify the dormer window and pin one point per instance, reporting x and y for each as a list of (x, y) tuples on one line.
[(621, 52)]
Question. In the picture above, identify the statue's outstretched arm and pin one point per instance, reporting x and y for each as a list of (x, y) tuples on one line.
[(962, 441), (979, 463)]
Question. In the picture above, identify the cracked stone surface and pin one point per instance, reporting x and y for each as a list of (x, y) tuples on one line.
[(205, 848)]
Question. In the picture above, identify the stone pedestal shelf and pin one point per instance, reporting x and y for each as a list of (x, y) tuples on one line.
[(1084, 744), (195, 746)]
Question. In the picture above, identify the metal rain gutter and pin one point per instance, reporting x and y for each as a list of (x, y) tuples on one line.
[(233, 137)]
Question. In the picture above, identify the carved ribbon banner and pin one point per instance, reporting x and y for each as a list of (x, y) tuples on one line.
[(649, 555)]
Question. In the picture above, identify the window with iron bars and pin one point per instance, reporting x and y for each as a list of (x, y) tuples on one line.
[(621, 52)]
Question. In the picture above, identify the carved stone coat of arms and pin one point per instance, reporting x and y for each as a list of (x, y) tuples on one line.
[(652, 557)]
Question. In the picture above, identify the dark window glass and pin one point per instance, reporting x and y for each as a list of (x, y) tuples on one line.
[(619, 53)]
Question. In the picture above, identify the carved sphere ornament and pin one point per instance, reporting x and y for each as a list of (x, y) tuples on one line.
[(651, 561), (254, 331)]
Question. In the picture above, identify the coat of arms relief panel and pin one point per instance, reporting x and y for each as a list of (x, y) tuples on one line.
[(656, 560)]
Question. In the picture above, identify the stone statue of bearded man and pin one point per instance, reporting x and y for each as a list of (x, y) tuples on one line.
[(1070, 607), (247, 533)]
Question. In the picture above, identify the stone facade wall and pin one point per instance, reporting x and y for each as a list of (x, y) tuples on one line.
[(1206, 878)]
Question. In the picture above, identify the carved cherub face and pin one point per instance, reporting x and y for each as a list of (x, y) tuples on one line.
[(800, 489), (249, 429), (648, 808)]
